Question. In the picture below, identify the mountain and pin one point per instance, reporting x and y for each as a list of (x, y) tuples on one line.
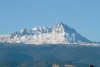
[(57, 34)]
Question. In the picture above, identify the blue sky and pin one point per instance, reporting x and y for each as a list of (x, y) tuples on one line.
[(82, 15)]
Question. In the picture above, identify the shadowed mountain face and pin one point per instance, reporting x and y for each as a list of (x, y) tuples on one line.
[(57, 34), (85, 55)]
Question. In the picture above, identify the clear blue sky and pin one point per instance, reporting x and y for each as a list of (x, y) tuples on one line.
[(82, 15)]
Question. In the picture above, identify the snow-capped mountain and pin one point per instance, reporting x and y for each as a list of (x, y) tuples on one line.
[(57, 34)]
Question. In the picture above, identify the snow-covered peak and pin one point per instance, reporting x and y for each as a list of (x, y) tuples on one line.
[(22, 33), (62, 28), (56, 34), (42, 29), (59, 25)]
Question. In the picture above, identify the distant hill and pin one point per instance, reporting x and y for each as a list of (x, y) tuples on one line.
[(85, 55)]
